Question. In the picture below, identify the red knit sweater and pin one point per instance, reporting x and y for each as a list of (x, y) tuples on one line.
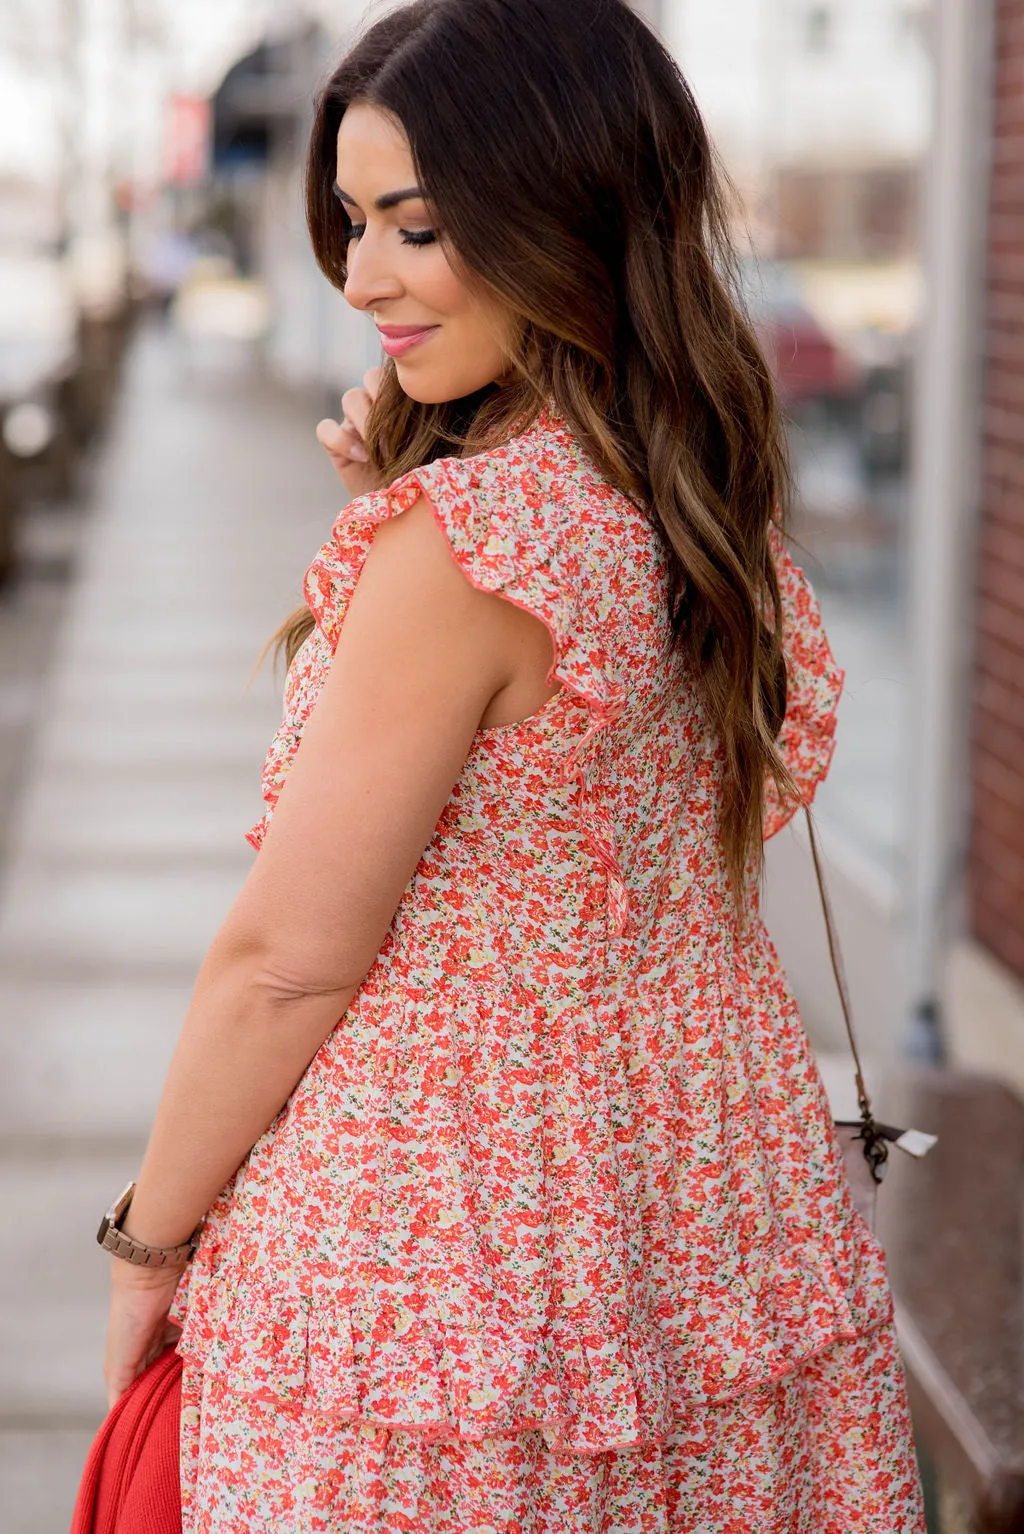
[(131, 1482)]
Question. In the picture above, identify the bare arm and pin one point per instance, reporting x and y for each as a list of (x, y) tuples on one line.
[(421, 659)]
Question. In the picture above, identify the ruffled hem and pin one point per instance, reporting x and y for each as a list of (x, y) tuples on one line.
[(504, 549), (591, 1378), (814, 686), (828, 1450)]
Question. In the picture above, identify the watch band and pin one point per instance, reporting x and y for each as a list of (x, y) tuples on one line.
[(114, 1240)]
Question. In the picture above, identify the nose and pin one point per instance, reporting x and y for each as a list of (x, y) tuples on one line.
[(369, 277)]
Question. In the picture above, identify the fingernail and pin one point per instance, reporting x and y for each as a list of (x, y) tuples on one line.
[(359, 453)]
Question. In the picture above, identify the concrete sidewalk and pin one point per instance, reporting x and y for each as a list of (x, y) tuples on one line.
[(126, 847)]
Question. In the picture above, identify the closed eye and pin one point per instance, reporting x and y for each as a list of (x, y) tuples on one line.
[(409, 236)]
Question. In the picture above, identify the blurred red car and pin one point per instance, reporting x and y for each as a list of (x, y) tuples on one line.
[(808, 365)]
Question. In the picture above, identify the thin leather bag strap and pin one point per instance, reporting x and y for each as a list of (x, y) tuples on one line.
[(875, 1147)]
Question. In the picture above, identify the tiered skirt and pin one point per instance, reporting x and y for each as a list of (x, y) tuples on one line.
[(825, 1449)]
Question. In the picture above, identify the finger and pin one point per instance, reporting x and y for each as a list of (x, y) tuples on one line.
[(355, 407), (328, 434), (342, 441), (372, 381), (337, 437)]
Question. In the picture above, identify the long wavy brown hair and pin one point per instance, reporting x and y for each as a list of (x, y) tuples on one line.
[(571, 174)]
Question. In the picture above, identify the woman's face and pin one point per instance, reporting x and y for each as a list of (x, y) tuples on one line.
[(448, 337)]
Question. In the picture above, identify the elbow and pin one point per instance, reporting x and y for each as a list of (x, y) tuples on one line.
[(284, 986), (276, 978)]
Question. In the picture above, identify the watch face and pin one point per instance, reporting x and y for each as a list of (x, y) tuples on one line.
[(120, 1209), (115, 1214)]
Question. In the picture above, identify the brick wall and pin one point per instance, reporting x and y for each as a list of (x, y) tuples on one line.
[(996, 868)]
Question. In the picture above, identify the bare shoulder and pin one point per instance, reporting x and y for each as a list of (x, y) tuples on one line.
[(412, 562), (411, 551)]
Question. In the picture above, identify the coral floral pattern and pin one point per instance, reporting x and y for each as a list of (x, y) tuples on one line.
[(554, 1236)]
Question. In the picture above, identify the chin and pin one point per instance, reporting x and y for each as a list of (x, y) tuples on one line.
[(426, 390), (424, 393)]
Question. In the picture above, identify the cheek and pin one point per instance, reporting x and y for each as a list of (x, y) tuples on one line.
[(437, 286), (473, 322)]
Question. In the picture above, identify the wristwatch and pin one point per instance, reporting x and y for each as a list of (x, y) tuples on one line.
[(111, 1239)]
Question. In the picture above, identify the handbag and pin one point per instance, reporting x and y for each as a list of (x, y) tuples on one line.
[(131, 1483), (864, 1142)]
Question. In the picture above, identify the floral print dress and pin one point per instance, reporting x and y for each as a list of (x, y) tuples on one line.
[(553, 1237)]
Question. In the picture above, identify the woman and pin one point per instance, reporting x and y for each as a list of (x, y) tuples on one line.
[(521, 1205)]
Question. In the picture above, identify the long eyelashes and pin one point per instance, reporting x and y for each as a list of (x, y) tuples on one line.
[(409, 236)]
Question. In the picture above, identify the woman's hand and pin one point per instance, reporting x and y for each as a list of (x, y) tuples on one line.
[(138, 1329), (345, 441)]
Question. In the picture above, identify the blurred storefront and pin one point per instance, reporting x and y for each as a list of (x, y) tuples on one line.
[(878, 147), (863, 140), (262, 113), (909, 508), (823, 115)]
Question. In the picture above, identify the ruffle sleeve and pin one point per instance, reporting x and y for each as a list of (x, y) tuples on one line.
[(813, 685), (497, 513), (497, 519)]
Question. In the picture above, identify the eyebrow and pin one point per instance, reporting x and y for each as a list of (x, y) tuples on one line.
[(383, 203)]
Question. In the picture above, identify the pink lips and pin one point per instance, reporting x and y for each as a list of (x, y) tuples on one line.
[(399, 339)]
